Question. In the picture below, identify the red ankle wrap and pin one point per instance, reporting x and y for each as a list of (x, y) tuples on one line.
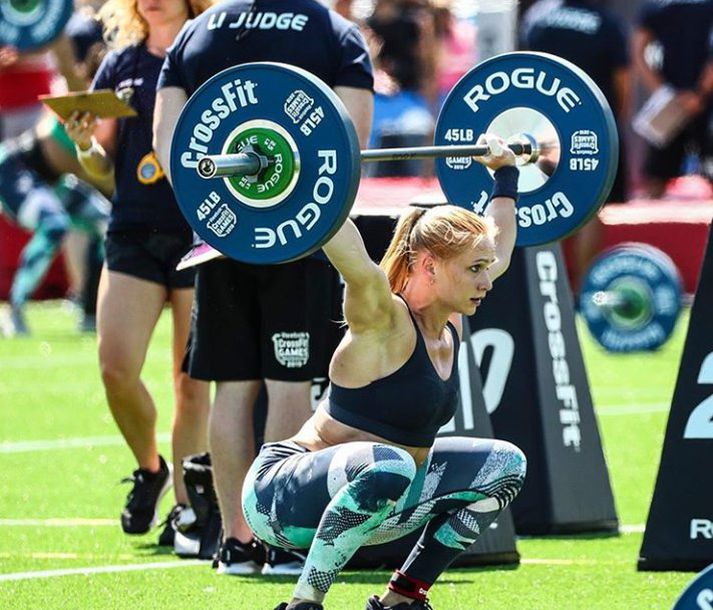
[(409, 587)]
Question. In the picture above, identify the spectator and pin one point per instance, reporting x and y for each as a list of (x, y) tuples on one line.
[(681, 28), (147, 237)]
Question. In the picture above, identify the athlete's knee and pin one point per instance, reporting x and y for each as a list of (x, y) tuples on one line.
[(117, 373), (192, 394), (54, 227), (514, 465), (387, 477)]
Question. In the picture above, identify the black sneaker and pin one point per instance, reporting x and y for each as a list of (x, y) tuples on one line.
[(301, 606), (199, 527), (374, 603), (283, 562), (168, 533), (141, 511), (237, 558)]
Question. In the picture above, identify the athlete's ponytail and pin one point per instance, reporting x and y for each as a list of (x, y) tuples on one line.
[(445, 231)]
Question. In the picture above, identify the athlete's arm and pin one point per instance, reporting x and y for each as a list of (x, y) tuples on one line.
[(169, 103), (500, 209), (368, 303)]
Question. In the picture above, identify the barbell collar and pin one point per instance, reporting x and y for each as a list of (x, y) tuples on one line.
[(238, 164), (609, 299), (524, 146)]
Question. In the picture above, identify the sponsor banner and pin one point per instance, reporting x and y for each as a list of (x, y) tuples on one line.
[(679, 529), (537, 393)]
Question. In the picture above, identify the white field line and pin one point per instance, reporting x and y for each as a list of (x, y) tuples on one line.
[(103, 441), (59, 522), (164, 565), (633, 409), (68, 443), (636, 528), (633, 528)]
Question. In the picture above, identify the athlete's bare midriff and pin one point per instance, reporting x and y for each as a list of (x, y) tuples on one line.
[(321, 431)]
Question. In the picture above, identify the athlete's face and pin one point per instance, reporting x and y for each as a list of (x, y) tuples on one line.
[(161, 12), (463, 281)]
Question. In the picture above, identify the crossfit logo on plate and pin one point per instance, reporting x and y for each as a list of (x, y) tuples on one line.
[(584, 142), (565, 391), (223, 221), (291, 349), (235, 94), (522, 78), (297, 105)]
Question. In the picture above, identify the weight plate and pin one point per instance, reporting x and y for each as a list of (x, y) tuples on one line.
[(32, 24), (631, 298), (557, 103), (267, 99)]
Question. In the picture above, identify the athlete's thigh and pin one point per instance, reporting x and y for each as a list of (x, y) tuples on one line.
[(288, 488)]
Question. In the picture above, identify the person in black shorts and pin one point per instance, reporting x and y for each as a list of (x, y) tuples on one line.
[(146, 238), (253, 324), (681, 28), (367, 468), (593, 38)]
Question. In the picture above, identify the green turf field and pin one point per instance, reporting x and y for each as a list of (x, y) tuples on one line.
[(61, 460)]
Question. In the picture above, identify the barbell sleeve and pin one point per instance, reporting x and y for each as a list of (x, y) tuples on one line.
[(217, 166), (238, 164)]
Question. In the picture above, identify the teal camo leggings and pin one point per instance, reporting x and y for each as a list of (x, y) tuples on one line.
[(338, 499)]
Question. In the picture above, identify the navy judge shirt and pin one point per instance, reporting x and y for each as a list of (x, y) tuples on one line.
[(303, 33), (137, 206), (585, 34), (682, 28)]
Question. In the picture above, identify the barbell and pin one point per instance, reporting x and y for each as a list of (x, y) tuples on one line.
[(631, 298), (266, 164), (32, 24)]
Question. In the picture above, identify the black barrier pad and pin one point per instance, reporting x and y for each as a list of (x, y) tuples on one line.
[(679, 529), (550, 418)]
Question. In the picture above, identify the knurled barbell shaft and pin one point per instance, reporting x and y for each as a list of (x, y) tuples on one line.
[(246, 164)]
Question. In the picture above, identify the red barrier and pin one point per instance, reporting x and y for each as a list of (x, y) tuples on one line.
[(677, 226)]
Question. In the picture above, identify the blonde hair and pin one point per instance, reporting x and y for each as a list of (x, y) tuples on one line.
[(445, 231), (124, 25)]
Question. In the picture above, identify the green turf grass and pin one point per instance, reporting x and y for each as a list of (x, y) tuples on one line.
[(50, 389)]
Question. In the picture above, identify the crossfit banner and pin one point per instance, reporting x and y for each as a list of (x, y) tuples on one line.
[(679, 530), (536, 391)]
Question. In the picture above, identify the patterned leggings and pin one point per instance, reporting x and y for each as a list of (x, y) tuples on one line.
[(335, 500)]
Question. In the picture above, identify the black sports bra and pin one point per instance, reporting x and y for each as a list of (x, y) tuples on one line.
[(408, 406)]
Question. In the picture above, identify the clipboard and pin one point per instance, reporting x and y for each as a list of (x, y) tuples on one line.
[(661, 118), (104, 103)]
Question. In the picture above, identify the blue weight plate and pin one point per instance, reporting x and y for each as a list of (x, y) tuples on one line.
[(558, 104), (32, 24), (306, 112), (698, 594), (655, 253), (650, 273)]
